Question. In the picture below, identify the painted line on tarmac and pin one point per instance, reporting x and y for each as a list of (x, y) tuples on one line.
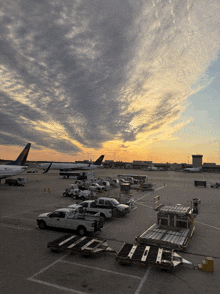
[(55, 286), (142, 282), (208, 225), (47, 267), (142, 198), (133, 209), (101, 269), (13, 227), (26, 211), (144, 205), (160, 188), (33, 220)]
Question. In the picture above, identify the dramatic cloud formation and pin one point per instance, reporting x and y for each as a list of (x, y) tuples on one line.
[(83, 74)]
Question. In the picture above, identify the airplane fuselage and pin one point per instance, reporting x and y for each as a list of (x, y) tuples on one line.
[(10, 170), (58, 166)]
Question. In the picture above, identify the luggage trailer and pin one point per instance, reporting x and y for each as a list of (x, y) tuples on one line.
[(149, 256), (174, 227), (78, 244), (128, 254)]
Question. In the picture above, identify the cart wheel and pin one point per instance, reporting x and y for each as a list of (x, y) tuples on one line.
[(42, 225)]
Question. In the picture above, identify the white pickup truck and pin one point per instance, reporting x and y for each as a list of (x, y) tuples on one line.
[(107, 207), (76, 193), (73, 219)]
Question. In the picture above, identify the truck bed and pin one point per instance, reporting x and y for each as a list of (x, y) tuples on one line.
[(172, 238)]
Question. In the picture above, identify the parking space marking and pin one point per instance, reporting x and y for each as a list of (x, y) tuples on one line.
[(144, 205), (55, 286), (34, 279), (47, 267), (141, 198), (100, 269), (26, 211), (208, 225), (142, 281), (33, 220), (160, 188), (18, 228)]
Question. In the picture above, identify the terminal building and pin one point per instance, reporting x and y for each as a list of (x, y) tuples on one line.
[(197, 160)]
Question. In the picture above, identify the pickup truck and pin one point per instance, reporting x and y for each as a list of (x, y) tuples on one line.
[(73, 219), (107, 207)]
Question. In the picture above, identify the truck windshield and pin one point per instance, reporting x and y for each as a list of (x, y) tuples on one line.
[(114, 201)]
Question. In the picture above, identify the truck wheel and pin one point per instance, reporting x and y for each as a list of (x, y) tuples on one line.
[(42, 225), (102, 215), (81, 231)]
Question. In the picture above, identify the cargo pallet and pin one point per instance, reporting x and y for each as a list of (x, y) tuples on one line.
[(78, 244), (148, 256), (170, 238)]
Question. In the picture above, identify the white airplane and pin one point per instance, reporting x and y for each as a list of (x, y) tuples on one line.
[(193, 169), (73, 166), (152, 168), (15, 167)]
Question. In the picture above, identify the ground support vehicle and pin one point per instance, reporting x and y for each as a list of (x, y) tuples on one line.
[(32, 171), (73, 191), (107, 207), (73, 219), (200, 183), (77, 244), (173, 230), (77, 175), (148, 256), (215, 185), (96, 187), (146, 186), (76, 193), (114, 183), (104, 183), (125, 196), (16, 182)]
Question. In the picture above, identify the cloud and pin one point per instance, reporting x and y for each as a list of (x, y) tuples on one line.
[(78, 74)]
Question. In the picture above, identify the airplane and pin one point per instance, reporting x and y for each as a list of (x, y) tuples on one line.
[(152, 168), (73, 166), (15, 167), (193, 169)]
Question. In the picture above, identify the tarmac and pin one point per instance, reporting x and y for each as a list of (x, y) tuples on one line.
[(28, 266)]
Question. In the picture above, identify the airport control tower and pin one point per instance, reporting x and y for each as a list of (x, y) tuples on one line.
[(197, 160)]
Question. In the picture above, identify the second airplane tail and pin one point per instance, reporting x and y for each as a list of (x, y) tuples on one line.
[(21, 160), (99, 160)]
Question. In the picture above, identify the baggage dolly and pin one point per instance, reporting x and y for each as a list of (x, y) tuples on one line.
[(149, 256), (78, 244)]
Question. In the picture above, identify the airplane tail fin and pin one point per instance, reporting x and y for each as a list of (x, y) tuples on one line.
[(21, 160), (99, 160), (49, 166)]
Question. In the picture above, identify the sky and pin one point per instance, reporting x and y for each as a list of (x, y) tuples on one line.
[(130, 79)]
